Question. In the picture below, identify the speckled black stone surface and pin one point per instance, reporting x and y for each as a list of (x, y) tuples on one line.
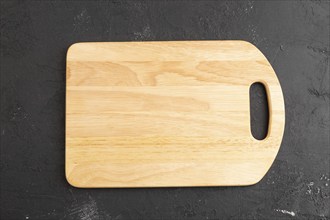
[(294, 36)]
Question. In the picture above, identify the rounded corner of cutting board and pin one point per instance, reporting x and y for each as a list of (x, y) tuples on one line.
[(252, 182), (72, 180), (74, 50), (73, 46)]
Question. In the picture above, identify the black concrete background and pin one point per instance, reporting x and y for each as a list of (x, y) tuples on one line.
[(294, 36)]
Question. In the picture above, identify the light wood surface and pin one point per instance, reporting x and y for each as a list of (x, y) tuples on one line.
[(165, 114)]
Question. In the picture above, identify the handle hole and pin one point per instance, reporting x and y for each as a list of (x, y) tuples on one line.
[(259, 112)]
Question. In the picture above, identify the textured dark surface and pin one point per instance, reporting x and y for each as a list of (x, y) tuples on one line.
[(294, 36)]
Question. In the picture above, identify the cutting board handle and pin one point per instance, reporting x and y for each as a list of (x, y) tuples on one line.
[(275, 106)]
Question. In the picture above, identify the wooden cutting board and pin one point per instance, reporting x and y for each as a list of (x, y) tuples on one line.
[(165, 114)]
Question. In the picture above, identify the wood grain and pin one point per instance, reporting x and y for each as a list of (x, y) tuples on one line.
[(165, 114)]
